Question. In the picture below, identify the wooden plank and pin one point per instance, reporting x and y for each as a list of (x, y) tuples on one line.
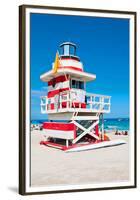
[(79, 125), (85, 118), (93, 135)]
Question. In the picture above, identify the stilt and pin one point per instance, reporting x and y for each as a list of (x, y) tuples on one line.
[(67, 143), (102, 131)]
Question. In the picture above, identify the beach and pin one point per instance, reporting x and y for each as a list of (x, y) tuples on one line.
[(50, 166)]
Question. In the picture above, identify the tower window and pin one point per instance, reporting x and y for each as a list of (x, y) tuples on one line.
[(77, 84), (66, 50), (81, 85), (73, 84)]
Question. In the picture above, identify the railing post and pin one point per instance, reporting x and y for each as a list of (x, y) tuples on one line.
[(67, 100), (46, 104), (60, 102), (102, 103), (102, 126), (91, 102)]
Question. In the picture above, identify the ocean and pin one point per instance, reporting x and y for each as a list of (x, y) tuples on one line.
[(116, 124), (109, 124)]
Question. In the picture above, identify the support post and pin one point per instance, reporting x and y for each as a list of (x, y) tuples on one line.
[(68, 99), (102, 126), (67, 143), (97, 130)]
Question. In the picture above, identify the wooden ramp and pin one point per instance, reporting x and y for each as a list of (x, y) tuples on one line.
[(96, 146)]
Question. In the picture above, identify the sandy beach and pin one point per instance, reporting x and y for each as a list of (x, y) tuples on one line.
[(51, 166)]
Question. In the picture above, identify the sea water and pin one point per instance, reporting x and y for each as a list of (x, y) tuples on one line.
[(116, 124)]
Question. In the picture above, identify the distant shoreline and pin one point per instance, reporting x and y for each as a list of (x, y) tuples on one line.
[(110, 124), (104, 118)]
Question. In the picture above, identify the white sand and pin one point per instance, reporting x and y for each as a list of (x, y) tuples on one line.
[(51, 166)]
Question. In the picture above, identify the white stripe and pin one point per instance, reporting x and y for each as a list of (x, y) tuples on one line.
[(58, 86), (59, 134), (72, 63)]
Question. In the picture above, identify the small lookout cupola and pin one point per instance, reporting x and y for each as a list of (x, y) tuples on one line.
[(68, 50)]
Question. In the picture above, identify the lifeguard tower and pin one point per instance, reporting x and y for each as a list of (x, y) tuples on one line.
[(73, 114)]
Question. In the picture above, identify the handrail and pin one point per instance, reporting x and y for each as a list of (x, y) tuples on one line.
[(94, 102), (100, 95)]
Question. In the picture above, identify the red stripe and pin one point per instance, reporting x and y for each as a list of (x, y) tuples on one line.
[(78, 105), (97, 130), (54, 92), (71, 67), (58, 79), (64, 105), (75, 134), (74, 105), (50, 106), (59, 146), (54, 145), (59, 126)]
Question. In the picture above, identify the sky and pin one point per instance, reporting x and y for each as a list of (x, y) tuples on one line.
[(102, 45)]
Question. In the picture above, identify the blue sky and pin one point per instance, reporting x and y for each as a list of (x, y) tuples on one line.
[(102, 45)]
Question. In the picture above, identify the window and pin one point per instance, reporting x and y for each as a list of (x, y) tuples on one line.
[(77, 84), (66, 50), (81, 85), (73, 84), (72, 50)]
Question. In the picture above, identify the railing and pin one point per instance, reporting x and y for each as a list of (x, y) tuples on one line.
[(63, 102)]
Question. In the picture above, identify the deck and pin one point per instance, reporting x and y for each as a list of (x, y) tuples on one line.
[(95, 103)]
